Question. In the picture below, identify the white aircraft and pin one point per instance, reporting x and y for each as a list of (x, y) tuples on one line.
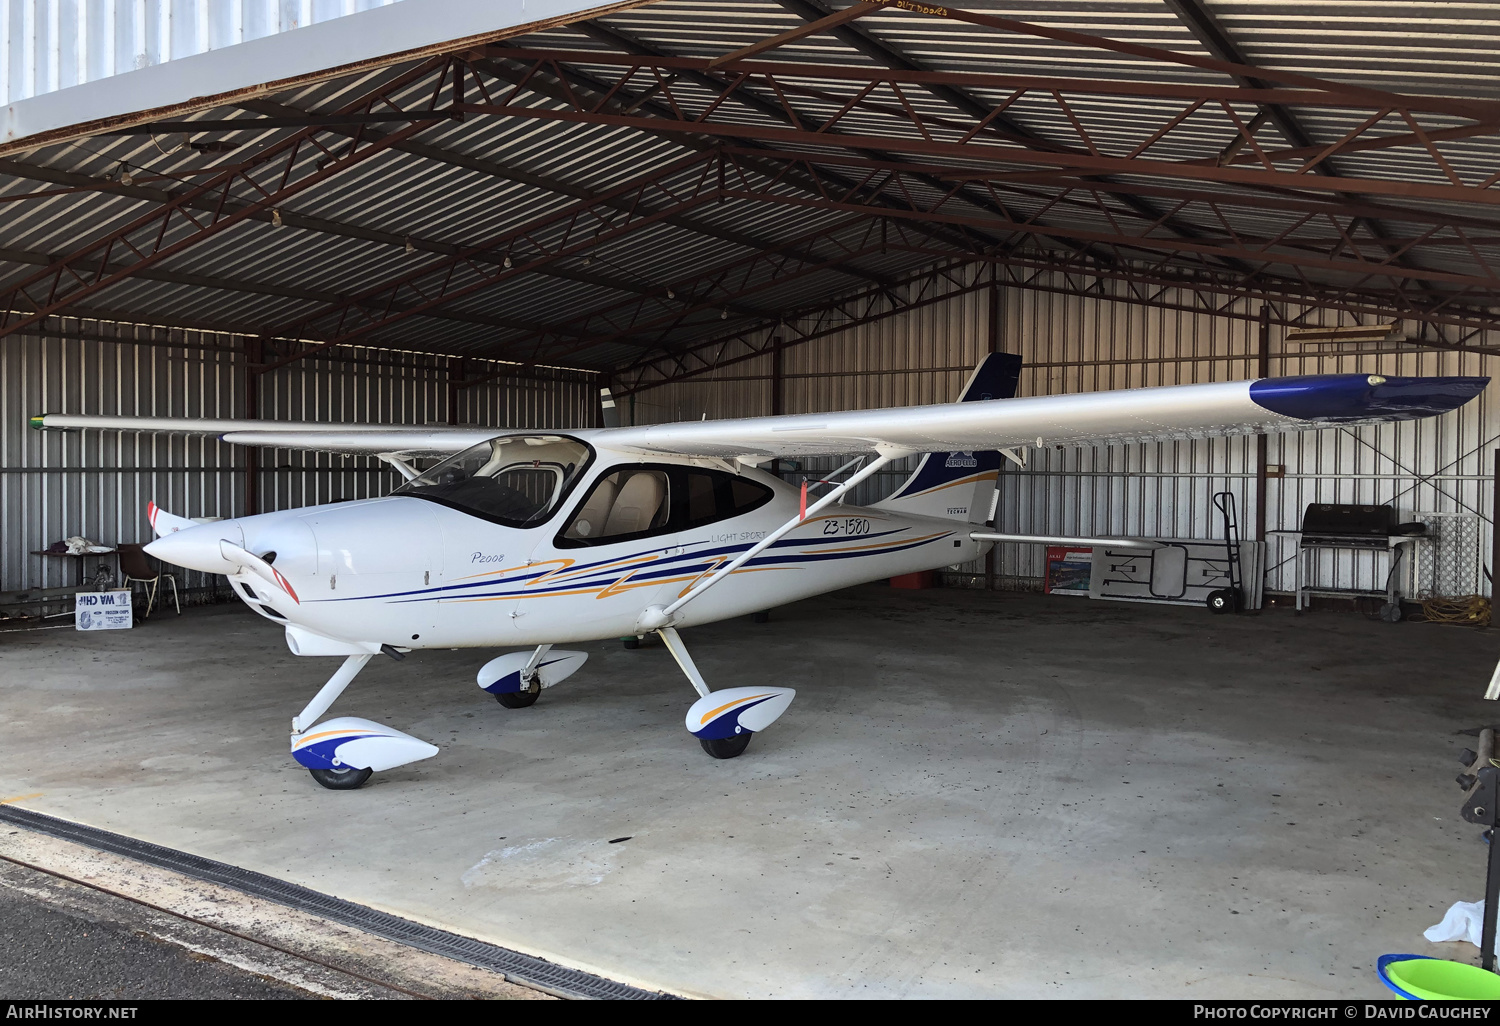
[(532, 539)]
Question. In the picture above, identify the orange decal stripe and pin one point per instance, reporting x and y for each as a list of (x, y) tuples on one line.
[(713, 568), (616, 586), (490, 573), (730, 705), (971, 479), (589, 570), (327, 733), (876, 545)]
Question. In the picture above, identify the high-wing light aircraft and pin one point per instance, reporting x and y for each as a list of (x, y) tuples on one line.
[(531, 539)]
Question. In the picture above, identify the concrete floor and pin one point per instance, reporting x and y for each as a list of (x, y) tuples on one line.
[(974, 794)]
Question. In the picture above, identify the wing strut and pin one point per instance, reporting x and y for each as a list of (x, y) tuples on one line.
[(655, 617), (403, 468)]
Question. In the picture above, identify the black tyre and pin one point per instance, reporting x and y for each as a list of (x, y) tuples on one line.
[(726, 747), (346, 778), (631, 642), (763, 616), (1222, 601), (518, 699)]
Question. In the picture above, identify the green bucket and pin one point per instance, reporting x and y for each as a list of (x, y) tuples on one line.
[(1419, 978)]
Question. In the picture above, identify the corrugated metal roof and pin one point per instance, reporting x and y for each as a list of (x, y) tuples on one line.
[(785, 240)]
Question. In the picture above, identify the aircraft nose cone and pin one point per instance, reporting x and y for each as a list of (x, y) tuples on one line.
[(197, 548)]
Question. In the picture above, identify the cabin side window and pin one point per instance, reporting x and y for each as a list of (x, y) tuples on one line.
[(713, 495), (643, 501), (633, 502)]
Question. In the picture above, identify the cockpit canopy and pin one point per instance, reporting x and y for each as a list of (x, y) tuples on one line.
[(515, 480)]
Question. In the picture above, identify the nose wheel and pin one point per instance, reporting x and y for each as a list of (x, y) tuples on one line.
[(345, 779), (518, 699)]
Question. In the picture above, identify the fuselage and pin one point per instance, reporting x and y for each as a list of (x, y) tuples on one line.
[(609, 538)]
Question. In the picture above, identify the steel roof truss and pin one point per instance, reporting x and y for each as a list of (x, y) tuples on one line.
[(54, 288), (907, 131)]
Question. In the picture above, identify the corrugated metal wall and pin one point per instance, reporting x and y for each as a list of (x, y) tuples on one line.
[(52, 44), (1076, 344), (96, 484), (54, 485)]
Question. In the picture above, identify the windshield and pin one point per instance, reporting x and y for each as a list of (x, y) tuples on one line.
[(517, 480)]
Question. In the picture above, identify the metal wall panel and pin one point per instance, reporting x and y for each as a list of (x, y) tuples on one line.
[(97, 484), (1073, 343)]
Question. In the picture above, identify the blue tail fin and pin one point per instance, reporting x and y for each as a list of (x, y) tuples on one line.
[(958, 485)]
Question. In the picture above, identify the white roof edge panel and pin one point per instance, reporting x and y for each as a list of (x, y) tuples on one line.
[(368, 39)]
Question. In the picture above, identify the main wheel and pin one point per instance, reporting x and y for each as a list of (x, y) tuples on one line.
[(518, 699), (631, 642), (726, 747), (761, 616), (346, 778), (1222, 601)]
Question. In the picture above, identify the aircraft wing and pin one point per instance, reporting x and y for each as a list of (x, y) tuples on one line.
[(353, 439), (373, 442), (1089, 418)]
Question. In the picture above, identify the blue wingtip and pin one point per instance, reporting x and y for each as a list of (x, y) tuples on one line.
[(1355, 398)]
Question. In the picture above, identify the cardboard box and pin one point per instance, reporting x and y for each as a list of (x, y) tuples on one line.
[(103, 610), (1069, 569)]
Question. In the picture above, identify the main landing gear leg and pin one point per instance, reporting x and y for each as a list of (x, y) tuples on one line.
[(342, 753), (723, 721)]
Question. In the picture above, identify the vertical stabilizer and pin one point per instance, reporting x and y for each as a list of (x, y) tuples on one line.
[(959, 485), (609, 412)]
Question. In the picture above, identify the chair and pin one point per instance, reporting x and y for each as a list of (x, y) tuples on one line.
[(638, 505), (137, 569)]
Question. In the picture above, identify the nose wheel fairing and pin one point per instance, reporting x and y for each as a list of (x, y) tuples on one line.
[(520, 671)]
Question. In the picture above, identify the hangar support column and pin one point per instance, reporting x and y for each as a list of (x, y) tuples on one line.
[(252, 365), (994, 347), (1262, 370)]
